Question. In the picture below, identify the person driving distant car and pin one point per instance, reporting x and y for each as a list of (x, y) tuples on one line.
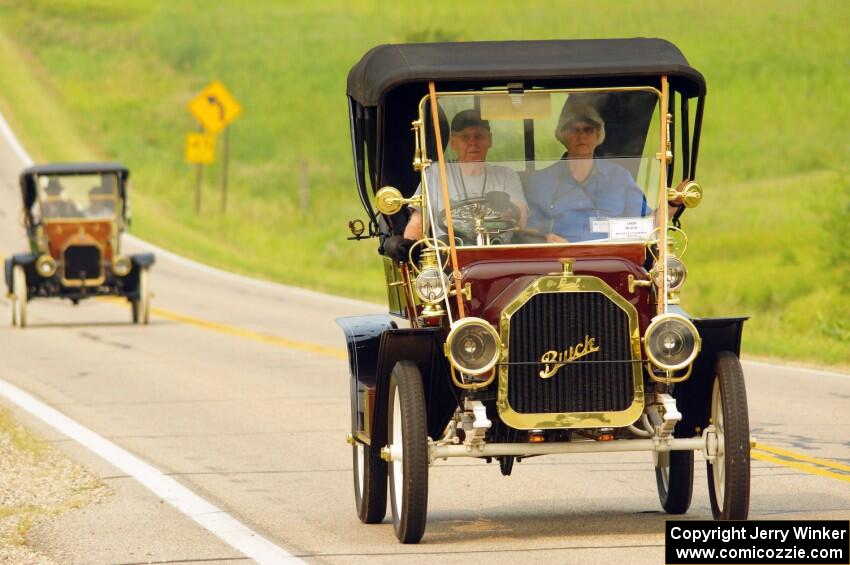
[(571, 200), (55, 204), (468, 178)]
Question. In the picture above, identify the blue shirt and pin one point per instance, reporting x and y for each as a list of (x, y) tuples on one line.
[(558, 203)]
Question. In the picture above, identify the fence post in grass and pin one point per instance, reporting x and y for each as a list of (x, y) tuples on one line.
[(304, 187), (225, 151)]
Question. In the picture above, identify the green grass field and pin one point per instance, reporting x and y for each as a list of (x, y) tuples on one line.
[(111, 79)]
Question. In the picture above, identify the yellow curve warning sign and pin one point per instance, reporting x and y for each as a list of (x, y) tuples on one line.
[(215, 107)]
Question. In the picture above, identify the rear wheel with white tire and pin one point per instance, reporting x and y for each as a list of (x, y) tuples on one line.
[(142, 304), (674, 476)]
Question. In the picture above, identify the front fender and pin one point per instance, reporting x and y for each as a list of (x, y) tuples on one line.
[(693, 397), (26, 260), (424, 347), (143, 260)]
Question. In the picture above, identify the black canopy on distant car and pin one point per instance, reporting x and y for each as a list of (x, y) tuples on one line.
[(644, 59), (385, 87), (76, 169), (29, 175)]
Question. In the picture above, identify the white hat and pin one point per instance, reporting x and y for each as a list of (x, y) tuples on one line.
[(572, 113)]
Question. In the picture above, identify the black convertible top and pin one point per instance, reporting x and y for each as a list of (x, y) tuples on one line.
[(28, 176), (75, 169), (387, 66)]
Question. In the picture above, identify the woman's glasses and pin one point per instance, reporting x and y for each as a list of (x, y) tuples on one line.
[(575, 130)]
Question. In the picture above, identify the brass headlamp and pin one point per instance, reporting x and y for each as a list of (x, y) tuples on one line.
[(121, 265), (45, 265), (672, 342)]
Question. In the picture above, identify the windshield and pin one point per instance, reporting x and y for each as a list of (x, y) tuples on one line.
[(545, 167), (78, 196)]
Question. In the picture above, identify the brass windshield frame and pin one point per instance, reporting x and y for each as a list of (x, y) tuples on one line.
[(664, 155)]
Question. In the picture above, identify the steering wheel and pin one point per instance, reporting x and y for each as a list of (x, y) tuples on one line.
[(476, 220)]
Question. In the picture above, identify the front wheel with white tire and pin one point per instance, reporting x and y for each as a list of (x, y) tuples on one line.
[(19, 299), (407, 437), (142, 304), (729, 472)]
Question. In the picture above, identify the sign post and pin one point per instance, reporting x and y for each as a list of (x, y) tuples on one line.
[(200, 149), (225, 154), (215, 108)]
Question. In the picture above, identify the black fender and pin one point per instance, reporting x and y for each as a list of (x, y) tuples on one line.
[(693, 397), (140, 261), (363, 339), (26, 260), (143, 260), (423, 347)]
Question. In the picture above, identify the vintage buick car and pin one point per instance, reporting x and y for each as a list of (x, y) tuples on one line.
[(533, 292), (74, 215)]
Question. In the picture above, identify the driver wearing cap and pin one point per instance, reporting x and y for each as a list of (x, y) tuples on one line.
[(468, 178)]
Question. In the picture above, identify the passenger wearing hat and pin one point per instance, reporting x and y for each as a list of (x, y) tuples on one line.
[(468, 177), (101, 204), (571, 200), (102, 198)]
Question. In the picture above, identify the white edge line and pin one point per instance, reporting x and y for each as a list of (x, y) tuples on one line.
[(13, 141), (213, 519)]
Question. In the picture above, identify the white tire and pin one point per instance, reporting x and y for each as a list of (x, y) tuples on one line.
[(19, 302)]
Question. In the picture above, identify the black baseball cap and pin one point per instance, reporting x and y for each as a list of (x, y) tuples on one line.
[(467, 119)]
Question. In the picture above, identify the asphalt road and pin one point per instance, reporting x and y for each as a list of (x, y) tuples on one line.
[(239, 391)]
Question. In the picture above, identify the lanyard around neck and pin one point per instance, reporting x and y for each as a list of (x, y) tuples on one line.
[(463, 183)]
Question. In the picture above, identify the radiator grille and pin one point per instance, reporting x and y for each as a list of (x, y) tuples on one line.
[(82, 262), (555, 321)]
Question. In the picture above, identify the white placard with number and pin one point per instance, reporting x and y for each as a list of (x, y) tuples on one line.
[(629, 228)]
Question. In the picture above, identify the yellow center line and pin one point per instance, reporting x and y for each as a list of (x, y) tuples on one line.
[(800, 466), (800, 462), (252, 335), (239, 332), (805, 458)]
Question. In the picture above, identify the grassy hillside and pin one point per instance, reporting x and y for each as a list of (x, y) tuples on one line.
[(100, 78)]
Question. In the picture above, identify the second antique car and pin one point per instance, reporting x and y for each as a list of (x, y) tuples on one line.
[(527, 197), (74, 215)]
